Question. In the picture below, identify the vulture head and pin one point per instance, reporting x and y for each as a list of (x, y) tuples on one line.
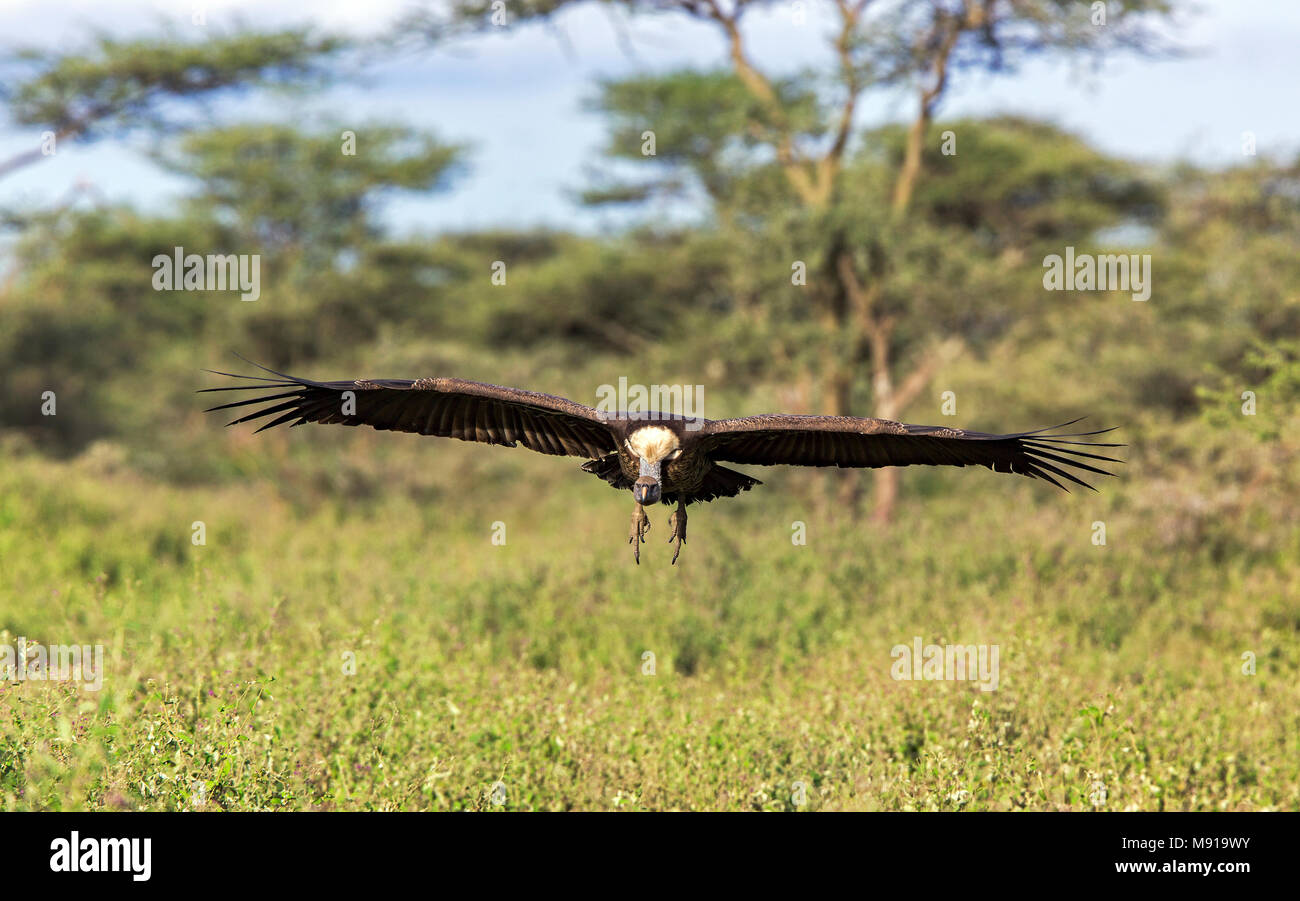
[(652, 445)]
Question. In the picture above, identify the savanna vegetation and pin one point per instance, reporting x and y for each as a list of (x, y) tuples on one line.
[(325, 618)]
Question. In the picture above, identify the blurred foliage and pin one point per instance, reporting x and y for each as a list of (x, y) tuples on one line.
[(120, 85), (310, 195), (1272, 378), (711, 303)]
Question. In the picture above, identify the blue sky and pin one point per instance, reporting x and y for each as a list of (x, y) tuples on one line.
[(517, 97)]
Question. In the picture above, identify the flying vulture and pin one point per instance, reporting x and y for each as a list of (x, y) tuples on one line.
[(660, 457)]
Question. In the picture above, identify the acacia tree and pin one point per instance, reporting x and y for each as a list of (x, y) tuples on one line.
[(807, 125), (115, 87), (310, 201), (314, 193)]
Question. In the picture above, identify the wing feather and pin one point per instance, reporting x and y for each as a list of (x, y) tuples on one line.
[(444, 407), (846, 441)]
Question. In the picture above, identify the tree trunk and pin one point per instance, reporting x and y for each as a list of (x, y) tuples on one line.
[(884, 495), (884, 402), (844, 486)]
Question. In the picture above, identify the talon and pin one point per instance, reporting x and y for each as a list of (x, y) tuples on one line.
[(678, 525), (636, 537)]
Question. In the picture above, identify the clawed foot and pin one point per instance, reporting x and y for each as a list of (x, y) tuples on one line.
[(640, 526), (677, 523)]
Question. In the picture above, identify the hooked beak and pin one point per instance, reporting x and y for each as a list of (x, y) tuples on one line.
[(647, 489)]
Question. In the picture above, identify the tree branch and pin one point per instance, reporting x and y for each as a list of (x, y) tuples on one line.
[(759, 85), (829, 166), (920, 377), (27, 157), (942, 36)]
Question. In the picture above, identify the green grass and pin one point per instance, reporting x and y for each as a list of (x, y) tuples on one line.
[(522, 664)]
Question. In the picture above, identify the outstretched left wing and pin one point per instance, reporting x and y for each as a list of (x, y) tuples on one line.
[(848, 441), (445, 407)]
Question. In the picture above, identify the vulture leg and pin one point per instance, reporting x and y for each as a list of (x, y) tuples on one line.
[(678, 524), (640, 525)]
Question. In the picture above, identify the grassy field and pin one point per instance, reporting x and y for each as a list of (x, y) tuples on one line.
[(513, 677)]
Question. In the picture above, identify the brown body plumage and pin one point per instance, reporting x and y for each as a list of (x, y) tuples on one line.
[(658, 456)]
